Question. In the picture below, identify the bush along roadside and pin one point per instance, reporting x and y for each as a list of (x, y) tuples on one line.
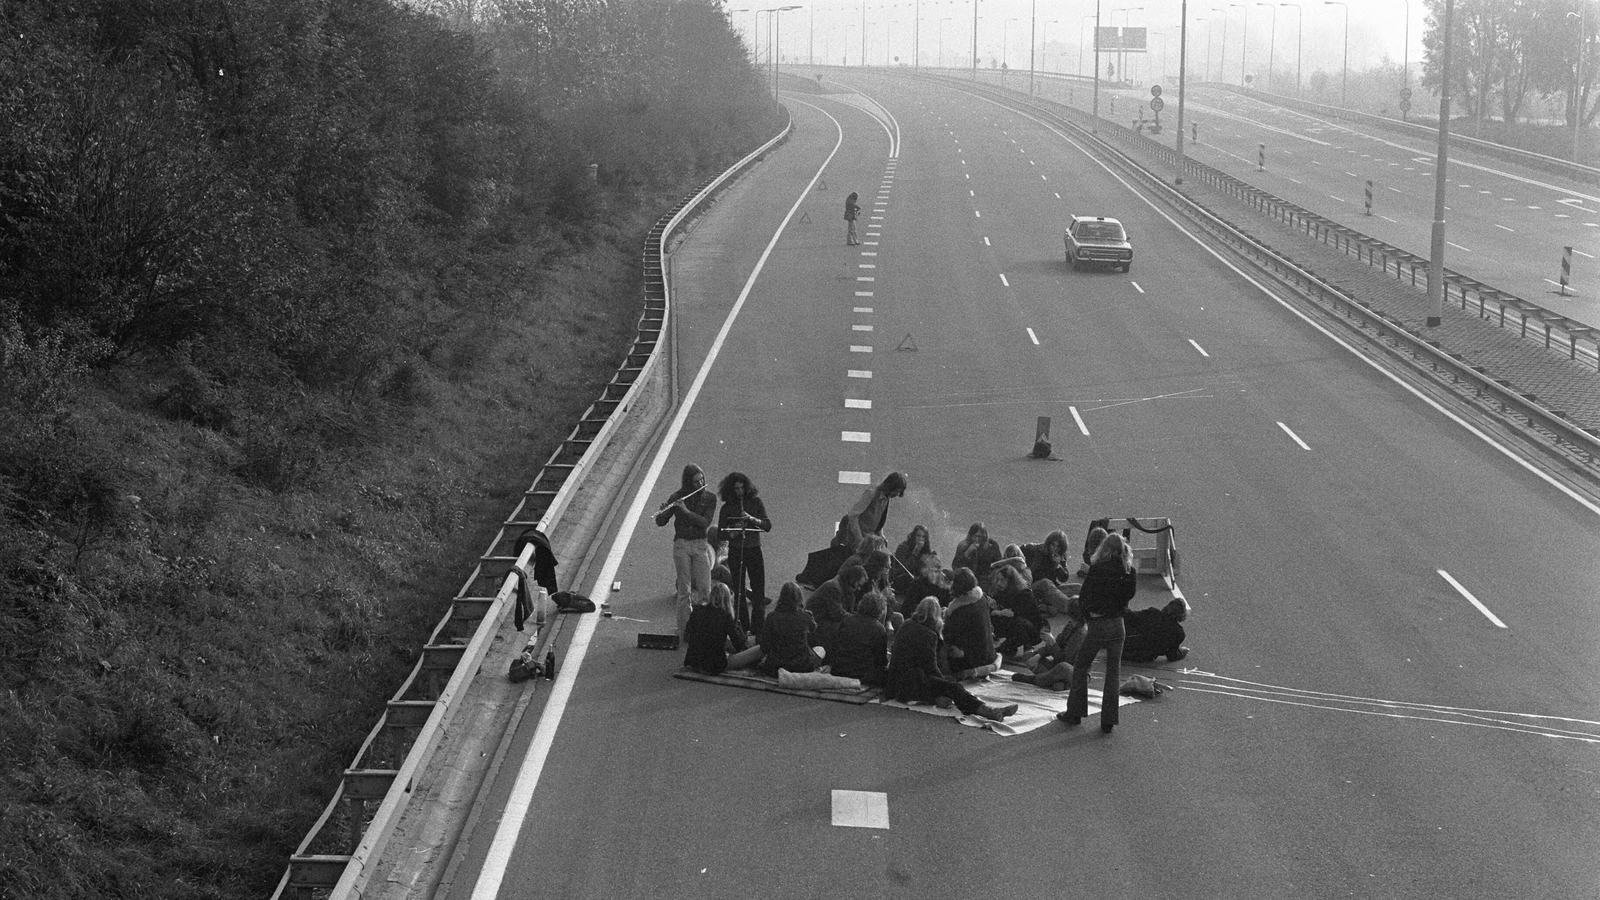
[(289, 307)]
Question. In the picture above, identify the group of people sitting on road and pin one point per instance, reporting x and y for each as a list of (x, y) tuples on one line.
[(904, 621)]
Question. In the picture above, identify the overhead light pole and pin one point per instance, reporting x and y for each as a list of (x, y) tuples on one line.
[(1033, 39), (1244, 42), (1222, 58), (1183, 53), (974, 40), (1045, 45), (941, 41), (1096, 20), (1440, 178), (1577, 82), (1344, 80), (1272, 46), (1405, 67), (1299, 30), (775, 21)]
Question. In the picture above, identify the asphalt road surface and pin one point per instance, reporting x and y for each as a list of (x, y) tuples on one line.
[(1390, 691), (1506, 225)]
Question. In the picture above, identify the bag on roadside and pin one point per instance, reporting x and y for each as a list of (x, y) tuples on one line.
[(568, 602)]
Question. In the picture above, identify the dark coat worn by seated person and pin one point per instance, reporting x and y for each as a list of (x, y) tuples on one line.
[(967, 628), (709, 632), (1155, 631), (861, 648), (787, 635)]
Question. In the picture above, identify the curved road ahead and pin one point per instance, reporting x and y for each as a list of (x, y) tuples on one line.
[(1349, 722)]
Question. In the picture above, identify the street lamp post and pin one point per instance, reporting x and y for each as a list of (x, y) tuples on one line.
[(1577, 81), (974, 40), (1033, 39), (1299, 28), (1122, 56), (1272, 46), (1183, 56), (1222, 58), (1045, 44), (1344, 80), (1244, 42), (1405, 66), (1005, 42), (1095, 19), (1440, 178), (775, 21), (941, 40)]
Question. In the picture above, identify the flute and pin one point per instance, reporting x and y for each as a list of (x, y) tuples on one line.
[(680, 499)]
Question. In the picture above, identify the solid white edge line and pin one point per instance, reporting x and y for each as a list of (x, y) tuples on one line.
[(1477, 432), (1079, 419), (1470, 599), (492, 875)]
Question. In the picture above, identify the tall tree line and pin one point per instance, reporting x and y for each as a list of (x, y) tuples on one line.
[(1505, 51)]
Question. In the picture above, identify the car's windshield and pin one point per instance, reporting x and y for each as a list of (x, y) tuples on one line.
[(1100, 231)]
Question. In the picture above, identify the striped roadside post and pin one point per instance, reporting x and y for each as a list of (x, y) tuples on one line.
[(1369, 196), (1566, 269), (1261, 157)]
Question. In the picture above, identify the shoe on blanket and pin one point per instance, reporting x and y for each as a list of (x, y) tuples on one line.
[(995, 713), (943, 702), (1068, 718), (1177, 654), (1025, 677)]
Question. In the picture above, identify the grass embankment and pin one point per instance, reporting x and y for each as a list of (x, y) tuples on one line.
[(294, 300)]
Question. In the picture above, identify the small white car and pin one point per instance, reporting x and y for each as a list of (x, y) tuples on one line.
[(1098, 241)]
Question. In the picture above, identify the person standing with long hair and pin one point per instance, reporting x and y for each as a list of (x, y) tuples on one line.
[(690, 509), (741, 522), (1107, 589), (852, 209)]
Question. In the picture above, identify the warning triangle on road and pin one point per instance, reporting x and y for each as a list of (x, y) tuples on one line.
[(822, 184), (907, 344), (805, 219)]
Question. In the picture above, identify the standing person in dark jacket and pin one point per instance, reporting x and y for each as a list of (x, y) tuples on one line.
[(740, 523), (852, 209), (1107, 589), (871, 512), (690, 509), (786, 636), (914, 675)]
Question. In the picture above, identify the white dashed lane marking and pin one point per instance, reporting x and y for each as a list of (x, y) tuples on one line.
[(1293, 436), (1198, 347), (853, 403), (1033, 337), (1078, 419), (860, 373), (1471, 599), (855, 477), (856, 437)]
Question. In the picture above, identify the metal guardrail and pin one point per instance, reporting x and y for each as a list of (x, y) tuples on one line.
[(1555, 165), (1584, 442), (399, 747)]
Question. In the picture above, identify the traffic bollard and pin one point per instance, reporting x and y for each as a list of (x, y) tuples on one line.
[(1369, 196), (1566, 269), (1261, 157)]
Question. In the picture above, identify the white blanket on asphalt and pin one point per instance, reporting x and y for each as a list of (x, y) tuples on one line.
[(1036, 706)]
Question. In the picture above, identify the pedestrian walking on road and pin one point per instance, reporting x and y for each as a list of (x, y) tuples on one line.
[(1107, 590), (690, 509), (852, 209)]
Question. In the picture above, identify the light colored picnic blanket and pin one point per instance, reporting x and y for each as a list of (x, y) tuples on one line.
[(1036, 706)]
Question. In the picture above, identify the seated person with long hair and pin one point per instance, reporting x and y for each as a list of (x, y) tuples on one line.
[(787, 635), (861, 648), (712, 633), (914, 675), (968, 630)]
